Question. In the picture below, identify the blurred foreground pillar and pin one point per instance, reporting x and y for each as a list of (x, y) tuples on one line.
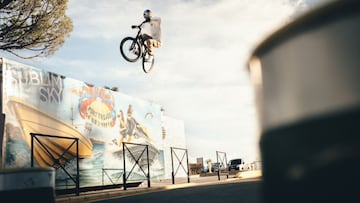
[(306, 80)]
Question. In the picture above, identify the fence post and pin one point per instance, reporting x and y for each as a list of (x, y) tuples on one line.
[(77, 168), (188, 169), (172, 165), (148, 163), (32, 150), (124, 174)]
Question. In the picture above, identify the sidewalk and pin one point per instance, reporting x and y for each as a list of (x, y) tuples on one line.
[(157, 185)]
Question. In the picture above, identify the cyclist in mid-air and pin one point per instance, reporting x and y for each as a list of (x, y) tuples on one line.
[(141, 46), (151, 31)]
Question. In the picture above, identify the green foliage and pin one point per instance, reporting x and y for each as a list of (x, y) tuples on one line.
[(33, 28)]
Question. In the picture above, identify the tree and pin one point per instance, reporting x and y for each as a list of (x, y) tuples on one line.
[(33, 28)]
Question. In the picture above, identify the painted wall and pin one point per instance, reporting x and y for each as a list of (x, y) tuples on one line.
[(37, 101)]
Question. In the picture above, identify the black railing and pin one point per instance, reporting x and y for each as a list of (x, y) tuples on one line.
[(222, 161), (57, 162), (105, 173), (137, 159), (180, 163)]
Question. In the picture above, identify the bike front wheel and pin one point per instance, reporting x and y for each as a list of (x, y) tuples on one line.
[(130, 49)]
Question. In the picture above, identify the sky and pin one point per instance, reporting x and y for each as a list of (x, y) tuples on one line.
[(200, 74)]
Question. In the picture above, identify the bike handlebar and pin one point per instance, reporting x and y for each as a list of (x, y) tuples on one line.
[(138, 26)]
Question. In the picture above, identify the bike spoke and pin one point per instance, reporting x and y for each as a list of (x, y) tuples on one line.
[(130, 49)]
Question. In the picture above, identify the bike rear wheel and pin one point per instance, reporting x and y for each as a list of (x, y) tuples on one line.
[(130, 49), (147, 62)]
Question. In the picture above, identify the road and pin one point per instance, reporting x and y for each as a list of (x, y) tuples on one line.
[(245, 192)]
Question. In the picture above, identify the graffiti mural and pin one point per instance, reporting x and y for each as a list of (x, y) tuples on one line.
[(37, 101)]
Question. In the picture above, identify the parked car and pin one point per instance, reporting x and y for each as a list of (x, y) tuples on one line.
[(244, 167), (214, 167), (234, 164)]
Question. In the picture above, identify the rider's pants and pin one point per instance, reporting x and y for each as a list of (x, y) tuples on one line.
[(150, 43)]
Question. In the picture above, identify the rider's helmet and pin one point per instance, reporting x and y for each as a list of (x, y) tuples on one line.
[(147, 14)]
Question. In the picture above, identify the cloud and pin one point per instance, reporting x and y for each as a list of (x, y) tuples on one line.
[(200, 71)]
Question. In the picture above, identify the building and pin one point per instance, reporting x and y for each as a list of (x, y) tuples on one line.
[(47, 115)]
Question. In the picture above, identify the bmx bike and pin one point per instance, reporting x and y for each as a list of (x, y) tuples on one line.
[(134, 48)]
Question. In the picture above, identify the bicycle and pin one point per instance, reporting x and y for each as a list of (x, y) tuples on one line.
[(132, 49)]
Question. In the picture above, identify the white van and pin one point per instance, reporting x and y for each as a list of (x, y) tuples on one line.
[(234, 164)]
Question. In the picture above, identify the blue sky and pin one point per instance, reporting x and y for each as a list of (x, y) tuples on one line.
[(200, 73)]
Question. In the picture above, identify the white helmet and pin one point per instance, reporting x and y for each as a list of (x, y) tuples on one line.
[(147, 14)]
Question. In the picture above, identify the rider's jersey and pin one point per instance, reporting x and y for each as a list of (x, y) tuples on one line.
[(152, 28)]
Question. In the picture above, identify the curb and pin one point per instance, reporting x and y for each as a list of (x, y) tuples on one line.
[(249, 174), (113, 193), (106, 195)]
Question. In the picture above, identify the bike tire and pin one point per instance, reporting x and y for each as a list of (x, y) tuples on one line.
[(130, 49), (147, 62)]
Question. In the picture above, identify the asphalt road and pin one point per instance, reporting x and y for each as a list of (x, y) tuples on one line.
[(244, 192)]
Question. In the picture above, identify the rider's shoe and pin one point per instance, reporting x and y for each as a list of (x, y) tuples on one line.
[(148, 58)]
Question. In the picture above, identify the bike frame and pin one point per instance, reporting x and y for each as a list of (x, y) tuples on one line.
[(139, 38), (138, 48)]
